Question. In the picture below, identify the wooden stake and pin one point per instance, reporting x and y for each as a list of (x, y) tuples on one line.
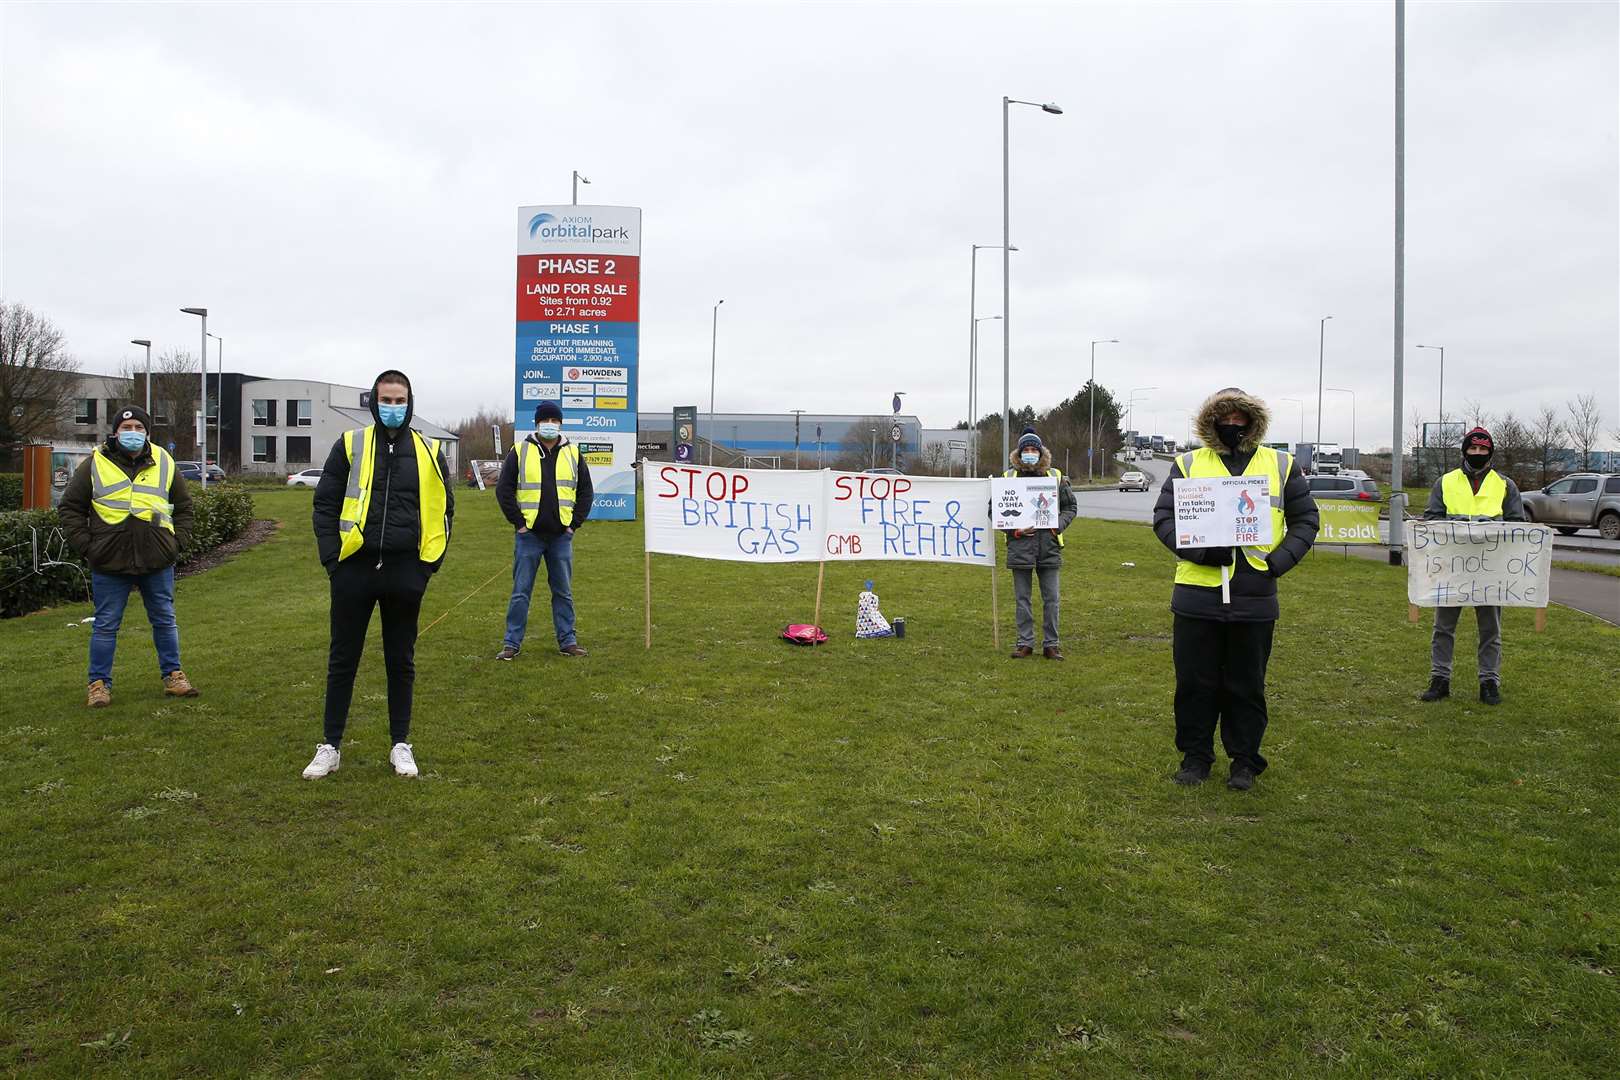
[(1541, 619), (1414, 612), (649, 599), (821, 573), (995, 625)]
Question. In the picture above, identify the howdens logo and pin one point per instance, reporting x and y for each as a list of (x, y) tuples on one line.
[(550, 227)]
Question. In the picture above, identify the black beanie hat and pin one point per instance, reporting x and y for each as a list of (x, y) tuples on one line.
[(547, 410), (132, 412)]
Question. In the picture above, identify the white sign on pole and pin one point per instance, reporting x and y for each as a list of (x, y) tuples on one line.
[(1223, 511), (1024, 502), (1478, 564)]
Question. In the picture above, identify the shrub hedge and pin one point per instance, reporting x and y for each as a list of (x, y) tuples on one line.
[(10, 491), (223, 513)]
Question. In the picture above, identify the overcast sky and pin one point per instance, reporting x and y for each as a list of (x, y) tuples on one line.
[(338, 185)]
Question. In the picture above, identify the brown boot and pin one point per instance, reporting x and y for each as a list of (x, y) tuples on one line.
[(1052, 652), (100, 695), (175, 684), (1022, 652)]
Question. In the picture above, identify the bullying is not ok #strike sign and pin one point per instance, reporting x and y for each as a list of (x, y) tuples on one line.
[(767, 515)]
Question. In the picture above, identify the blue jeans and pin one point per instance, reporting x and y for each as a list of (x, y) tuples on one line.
[(558, 551), (111, 593)]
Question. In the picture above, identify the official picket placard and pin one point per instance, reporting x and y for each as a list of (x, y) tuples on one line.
[(925, 518), (1345, 522), (1223, 511), (1024, 502), (1478, 564), (578, 337)]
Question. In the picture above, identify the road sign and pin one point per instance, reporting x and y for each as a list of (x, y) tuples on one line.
[(894, 433)]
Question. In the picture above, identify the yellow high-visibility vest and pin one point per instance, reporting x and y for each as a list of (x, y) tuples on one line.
[(361, 447), (1463, 501), (116, 497), (1273, 465), (1057, 474), (532, 475)]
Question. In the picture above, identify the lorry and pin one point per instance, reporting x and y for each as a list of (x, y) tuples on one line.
[(1327, 458), (1156, 443), (1578, 501)]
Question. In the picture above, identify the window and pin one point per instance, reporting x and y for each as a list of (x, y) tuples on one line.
[(112, 409), (297, 449), (84, 411), (1584, 486), (264, 412), (1611, 486), (298, 413), (1560, 488), (264, 448)]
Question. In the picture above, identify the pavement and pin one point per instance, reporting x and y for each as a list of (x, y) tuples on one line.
[(1595, 594)]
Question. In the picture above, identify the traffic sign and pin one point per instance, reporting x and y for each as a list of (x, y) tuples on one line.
[(894, 433)]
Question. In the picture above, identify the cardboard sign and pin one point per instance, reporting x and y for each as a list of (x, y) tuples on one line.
[(1223, 511), (1478, 564), (1345, 522), (1024, 502)]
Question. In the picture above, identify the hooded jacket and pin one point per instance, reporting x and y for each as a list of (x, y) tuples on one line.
[(1254, 594), (132, 546), (1040, 550), (394, 518), (549, 521)]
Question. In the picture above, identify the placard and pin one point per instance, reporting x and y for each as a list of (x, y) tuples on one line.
[(1223, 511), (1024, 502), (1345, 522), (1478, 564)]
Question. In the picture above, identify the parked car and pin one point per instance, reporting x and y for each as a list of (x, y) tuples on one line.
[(1578, 501), (192, 470), (1133, 481), (307, 478), (1346, 485)]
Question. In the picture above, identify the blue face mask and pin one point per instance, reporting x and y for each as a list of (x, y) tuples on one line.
[(1029, 458), (549, 429), (391, 415), (133, 442)]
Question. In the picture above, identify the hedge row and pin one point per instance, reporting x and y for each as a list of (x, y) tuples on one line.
[(10, 491), (223, 513)]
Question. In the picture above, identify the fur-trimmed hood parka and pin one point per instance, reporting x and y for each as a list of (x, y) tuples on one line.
[(1222, 402), (1037, 469)]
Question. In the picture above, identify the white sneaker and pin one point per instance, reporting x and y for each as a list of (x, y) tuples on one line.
[(326, 761), (401, 758)]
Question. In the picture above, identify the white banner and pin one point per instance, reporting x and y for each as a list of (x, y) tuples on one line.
[(1478, 564), (770, 515), (1223, 511)]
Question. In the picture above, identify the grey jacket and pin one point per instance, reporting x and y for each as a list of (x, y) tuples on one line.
[(1041, 550)]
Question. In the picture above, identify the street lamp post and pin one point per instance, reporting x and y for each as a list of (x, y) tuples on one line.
[(1321, 338), (1091, 392), (202, 402), (714, 337), (1006, 270), (1130, 405), (148, 344), (796, 414), (219, 405), (1301, 403), (894, 445), (578, 180), (1352, 393), (873, 465), (973, 389)]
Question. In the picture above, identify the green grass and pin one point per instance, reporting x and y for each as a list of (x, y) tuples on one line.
[(1586, 567), (728, 856)]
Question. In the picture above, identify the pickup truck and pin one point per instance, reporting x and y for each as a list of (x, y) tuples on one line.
[(1578, 501)]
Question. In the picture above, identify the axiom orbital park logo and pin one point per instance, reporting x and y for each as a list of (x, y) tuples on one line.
[(545, 226)]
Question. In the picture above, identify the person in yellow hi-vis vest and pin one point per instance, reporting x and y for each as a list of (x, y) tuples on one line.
[(127, 511), (1475, 492), (1221, 646), (545, 492), (382, 515)]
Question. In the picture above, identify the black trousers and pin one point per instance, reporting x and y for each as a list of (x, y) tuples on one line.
[(1221, 677), (358, 587)]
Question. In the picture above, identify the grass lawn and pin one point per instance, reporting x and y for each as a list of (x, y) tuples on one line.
[(730, 856)]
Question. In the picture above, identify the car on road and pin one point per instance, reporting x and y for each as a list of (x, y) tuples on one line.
[(192, 470), (1345, 485), (307, 478), (1578, 501), (1133, 481)]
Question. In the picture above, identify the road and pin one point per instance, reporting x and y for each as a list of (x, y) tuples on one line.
[(1595, 594)]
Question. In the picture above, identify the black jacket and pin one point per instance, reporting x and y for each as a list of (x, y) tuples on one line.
[(393, 520), (549, 520), (1254, 593), (132, 546)]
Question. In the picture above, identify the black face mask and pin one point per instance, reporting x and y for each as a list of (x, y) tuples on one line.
[(1476, 462), (1231, 434)]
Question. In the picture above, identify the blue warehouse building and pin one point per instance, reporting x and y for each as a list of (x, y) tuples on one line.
[(771, 435)]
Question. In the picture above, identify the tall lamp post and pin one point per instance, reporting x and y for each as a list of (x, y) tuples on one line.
[(714, 337), (202, 402), (1445, 457), (148, 344), (1301, 403), (219, 405), (1006, 270), (973, 388), (578, 180), (1321, 338), (796, 414), (1091, 392), (1352, 393), (1130, 404)]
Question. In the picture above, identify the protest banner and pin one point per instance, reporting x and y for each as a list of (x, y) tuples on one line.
[(1345, 522), (1478, 564), (1223, 511), (1024, 502), (927, 518)]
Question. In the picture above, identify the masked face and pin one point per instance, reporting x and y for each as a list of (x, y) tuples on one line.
[(1029, 457), (549, 429), (132, 442), (1231, 434), (1477, 461), (392, 416)]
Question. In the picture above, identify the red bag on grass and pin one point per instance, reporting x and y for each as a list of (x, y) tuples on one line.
[(804, 634)]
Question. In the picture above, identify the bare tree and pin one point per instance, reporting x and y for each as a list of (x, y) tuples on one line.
[(1546, 438), (38, 379), (1514, 447), (1585, 425), (477, 434), (857, 451)]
